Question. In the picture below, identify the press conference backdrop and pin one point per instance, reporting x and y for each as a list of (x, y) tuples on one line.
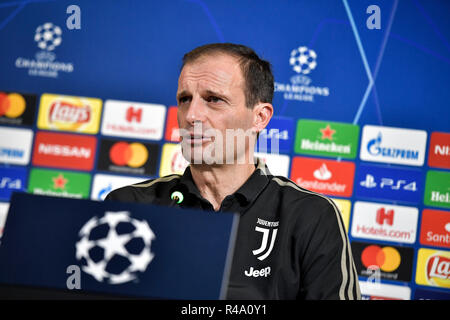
[(87, 104)]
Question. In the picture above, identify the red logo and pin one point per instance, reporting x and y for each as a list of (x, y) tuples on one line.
[(383, 216), (435, 230), (66, 151), (172, 133), (63, 111), (438, 267), (439, 152), (133, 114), (133, 154), (324, 176), (327, 133), (384, 258), (59, 182)]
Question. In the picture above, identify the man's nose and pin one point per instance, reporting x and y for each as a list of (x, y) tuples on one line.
[(196, 111)]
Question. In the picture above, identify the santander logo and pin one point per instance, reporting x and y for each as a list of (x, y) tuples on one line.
[(322, 173), (435, 228), (325, 176), (62, 111)]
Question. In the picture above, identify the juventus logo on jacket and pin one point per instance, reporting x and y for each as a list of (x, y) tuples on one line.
[(269, 234)]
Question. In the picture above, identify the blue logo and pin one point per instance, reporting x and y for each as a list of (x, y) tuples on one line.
[(375, 148), (422, 294), (376, 182), (277, 136), (11, 153), (12, 179), (104, 192)]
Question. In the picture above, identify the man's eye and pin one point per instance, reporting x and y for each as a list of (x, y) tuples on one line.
[(213, 99), (183, 100)]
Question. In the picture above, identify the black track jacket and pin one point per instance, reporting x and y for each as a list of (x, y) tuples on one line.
[(291, 243)]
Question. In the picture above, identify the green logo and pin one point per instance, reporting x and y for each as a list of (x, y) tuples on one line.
[(437, 189), (59, 183), (329, 139)]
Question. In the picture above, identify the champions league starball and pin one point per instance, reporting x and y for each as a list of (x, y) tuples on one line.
[(48, 36), (115, 248), (303, 60)]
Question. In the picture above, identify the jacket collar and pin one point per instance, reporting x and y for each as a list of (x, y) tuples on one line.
[(246, 194)]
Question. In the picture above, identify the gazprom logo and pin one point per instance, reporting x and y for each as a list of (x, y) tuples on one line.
[(375, 148), (393, 145)]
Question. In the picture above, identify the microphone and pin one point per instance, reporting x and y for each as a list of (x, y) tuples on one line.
[(177, 194), (177, 197)]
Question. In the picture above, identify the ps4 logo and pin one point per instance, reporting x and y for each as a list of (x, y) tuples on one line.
[(11, 180), (274, 133), (369, 183), (10, 183)]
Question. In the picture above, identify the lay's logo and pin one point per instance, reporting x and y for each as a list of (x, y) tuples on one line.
[(433, 268), (438, 269), (68, 113), (65, 112)]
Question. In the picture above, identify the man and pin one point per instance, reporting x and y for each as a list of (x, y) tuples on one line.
[(291, 243)]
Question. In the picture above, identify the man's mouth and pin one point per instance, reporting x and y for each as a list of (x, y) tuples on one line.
[(197, 139)]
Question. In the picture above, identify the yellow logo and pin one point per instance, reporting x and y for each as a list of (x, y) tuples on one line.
[(11, 105), (67, 113), (433, 268), (344, 208), (172, 160)]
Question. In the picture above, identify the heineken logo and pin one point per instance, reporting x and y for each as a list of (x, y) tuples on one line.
[(437, 189), (330, 139), (59, 183), (327, 133)]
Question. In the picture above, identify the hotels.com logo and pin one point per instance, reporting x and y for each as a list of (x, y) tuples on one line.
[(438, 270), (385, 216), (65, 112), (135, 120), (372, 221), (133, 114)]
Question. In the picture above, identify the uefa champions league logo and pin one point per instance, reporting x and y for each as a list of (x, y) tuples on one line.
[(115, 248), (48, 36), (303, 60)]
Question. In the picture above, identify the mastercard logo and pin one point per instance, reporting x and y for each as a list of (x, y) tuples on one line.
[(387, 258), (11, 105), (134, 155)]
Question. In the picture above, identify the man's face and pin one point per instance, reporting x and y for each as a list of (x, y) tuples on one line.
[(212, 106)]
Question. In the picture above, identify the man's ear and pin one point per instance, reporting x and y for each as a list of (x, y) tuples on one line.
[(262, 113)]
